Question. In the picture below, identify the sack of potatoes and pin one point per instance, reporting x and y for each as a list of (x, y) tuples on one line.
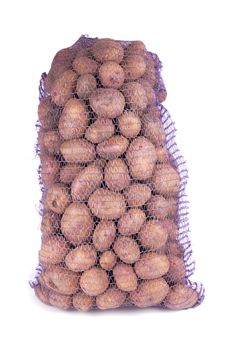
[(113, 229)]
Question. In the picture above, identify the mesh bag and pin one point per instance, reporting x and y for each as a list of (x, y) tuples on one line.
[(114, 210)]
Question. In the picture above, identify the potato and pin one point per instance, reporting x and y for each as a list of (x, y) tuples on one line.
[(112, 298), (86, 84), (78, 150), (42, 294), (69, 172), (81, 258), (137, 195), (161, 208), (131, 222), (129, 124), (125, 277), (51, 141), (162, 155), (48, 114), (116, 175), (136, 48), (59, 300), (63, 87), (174, 248), (49, 224), (57, 198), (107, 50), (100, 130), (134, 66), (135, 96), (153, 129), (153, 235), (65, 56), (107, 102), (151, 265), (162, 95), (49, 170), (150, 92), (181, 297), (113, 147), (94, 281), (166, 180), (177, 269), (55, 71), (150, 293), (104, 235), (153, 112), (107, 260), (77, 223), (83, 302), (111, 75), (53, 250), (60, 279), (150, 72), (85, 182), (106, 204), (84, 65), (74, 119), (127, 249), (141, 157), (171, 228)]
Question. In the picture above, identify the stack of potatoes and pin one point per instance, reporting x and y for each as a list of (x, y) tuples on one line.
[(109, 231)]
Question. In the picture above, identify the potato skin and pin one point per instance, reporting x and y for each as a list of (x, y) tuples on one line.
[(151, 265), (177, 269), (113, 147), (49, 170), (74, 119), (57, 198), (50, 141), (42, 294), (150, 92), (153, 235), (112, 298), (107, 50), (85, 85), (53, 250), (174, 248), (78, 151), (171, 228), (181, 297), (107, 102), (77, 223), (161, 208), (162, 155), (134, 66), (59, 300), (141, 157), (111, 75), (131, 222), (107, 260), (166, 180), (63, 87), (125, 277), (94, 281), (126, 249), (69, 172), (81, 258), (85, 182), (83, 302), (49, 224), (104, 235), (135, 47), (48, 114), (135, 96), (129, 124), (101, 130), (107, 205), (84, 65), (153, 129), (137, 195), (116, 175), (150, 293)]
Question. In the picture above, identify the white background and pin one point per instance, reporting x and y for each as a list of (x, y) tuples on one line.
[(194, 41)]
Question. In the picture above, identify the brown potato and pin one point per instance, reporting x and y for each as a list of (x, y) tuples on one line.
[(162, 95), (104, 235), (135, 96), (171, 228), (94, 281), (86, 181), (59, 300), (137, 195), (48, 114), (49, 224), (129, 124), (134, 66), (127, 249), (107, 260), (51, 141), (49, 170), (125, 277), (63, 87), (83, 302), (162, 155), (78, 150), (181, 297), (81, 258), (86, 84), (150, 293), (166, 180), (112, 298), (116, 175), (113, 147), (151, 265), (74, 119), (60, 279), (153, 129), (42, 294), (150, 92), (107, 50), (69, 172), (153, 235), (65, 56), (150, 72), (141, 157), (136, 48), (84, 65), (77, 223), (106, 204), (131, 222), (57, 198), (101, 130), (53, 250), (55, 71), (111, 75), (177, 269), (107, 102), (161, 208), (174, 248)]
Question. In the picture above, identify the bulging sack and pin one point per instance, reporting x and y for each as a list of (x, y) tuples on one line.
[(114, 210)]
